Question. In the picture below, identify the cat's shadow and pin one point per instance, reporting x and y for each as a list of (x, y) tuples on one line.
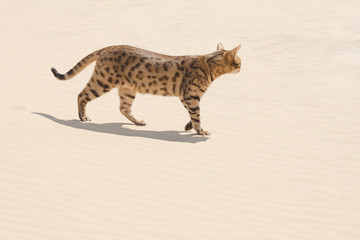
[(118, 129)]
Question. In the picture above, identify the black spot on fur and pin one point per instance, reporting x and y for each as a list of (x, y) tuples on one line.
[(195, 120), (100, 83), (94, 92), (148, 67), (134, 67), (194, 109), (143, 59), (175, 76), (195, 97), (166, 68), (163, 78)]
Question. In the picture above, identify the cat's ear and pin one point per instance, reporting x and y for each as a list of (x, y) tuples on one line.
[(219, 47), (234, 51)]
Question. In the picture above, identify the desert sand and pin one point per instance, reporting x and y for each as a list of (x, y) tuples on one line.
[(283, 160)]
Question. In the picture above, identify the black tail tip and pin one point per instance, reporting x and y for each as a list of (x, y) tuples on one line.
[(54, 71), (57, 74)]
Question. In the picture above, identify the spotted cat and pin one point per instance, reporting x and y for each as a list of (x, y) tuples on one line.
[(133, 70)]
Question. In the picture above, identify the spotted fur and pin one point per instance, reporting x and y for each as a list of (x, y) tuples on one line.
[(134, 70)]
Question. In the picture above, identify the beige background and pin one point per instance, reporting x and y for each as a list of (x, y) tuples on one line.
[(283, 158)]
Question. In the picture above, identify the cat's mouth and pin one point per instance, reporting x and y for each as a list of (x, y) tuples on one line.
[(236, 70)]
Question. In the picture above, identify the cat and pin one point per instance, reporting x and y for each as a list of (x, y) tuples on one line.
[(133, 70)]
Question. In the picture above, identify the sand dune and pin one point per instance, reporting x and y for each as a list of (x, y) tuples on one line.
[(283, 158)]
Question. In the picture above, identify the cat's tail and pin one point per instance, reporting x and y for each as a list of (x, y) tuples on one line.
[(79, 66)]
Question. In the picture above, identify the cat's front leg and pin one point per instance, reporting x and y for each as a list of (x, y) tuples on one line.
[(191, 104)]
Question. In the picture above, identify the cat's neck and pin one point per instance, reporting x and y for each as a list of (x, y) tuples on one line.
[(215, 70)]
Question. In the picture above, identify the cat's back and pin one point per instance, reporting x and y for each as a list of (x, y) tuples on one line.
[(126, 51)]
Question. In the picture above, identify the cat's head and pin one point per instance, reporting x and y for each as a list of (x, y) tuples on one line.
[(226, 60)]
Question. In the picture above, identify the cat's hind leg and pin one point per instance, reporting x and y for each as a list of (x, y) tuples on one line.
[(94, 89), (127, 97)]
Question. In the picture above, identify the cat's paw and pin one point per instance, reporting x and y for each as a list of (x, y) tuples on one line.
[(203, 132), (140, 123), (188, 126), (85, 119)]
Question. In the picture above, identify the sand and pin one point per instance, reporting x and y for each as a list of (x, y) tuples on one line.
[(283, 160)]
